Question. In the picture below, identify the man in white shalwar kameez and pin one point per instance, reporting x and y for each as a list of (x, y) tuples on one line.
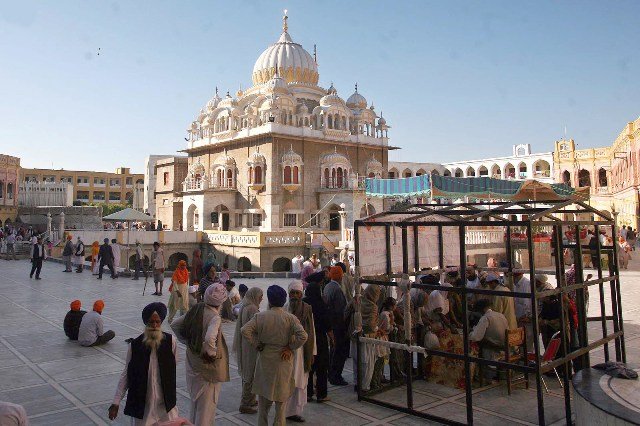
[(303, 356), (275, 333), (149, 377), (207, 365)]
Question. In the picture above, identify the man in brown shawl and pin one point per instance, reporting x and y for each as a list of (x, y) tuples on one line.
[(303, 356), (246, 354)]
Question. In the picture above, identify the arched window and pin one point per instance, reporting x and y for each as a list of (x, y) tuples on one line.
[(258, 174), (602, 178), (250, 178), (333, 178), (330, 121), (296, 172), (584, 178), (1, 189), (326, 178), (287, 174), (229, 178), (10, 190), (339, 181)]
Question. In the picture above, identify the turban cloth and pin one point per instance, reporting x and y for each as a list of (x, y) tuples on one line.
[(75, 305), (276, 296), (491, 277), (342, 265), (193, 289), (158, 307), (242, 288), (207, 268), (215, 294), (296, 285), (335, 273), (106, 240), (98, 306), (181, 274)]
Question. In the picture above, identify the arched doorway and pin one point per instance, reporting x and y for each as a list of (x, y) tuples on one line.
[(220, 218), (483, 171), (542, 168), (566, 178), (509, 171), (471, 172), (244, 264), (175, 258), (282, 264), (458, 172), (193, 218), (334, 218)]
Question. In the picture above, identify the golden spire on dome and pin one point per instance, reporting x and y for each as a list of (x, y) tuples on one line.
[(285, 26)]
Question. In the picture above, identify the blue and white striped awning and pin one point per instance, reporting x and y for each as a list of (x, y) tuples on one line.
[(401, 187)]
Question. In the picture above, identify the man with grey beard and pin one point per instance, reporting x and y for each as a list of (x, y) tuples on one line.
[(150, 373)]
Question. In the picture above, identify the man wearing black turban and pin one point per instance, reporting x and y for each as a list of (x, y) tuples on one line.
[(150, 373)]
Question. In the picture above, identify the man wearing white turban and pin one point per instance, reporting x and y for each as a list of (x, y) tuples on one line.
[(207, 363), (303, 356)]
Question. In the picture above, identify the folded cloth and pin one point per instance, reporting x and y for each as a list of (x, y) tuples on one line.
[(617, 369)]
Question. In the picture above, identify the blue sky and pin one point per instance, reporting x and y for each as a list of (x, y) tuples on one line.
[(455, 80)]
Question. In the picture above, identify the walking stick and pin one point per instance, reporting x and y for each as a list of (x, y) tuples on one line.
[(146, 278)]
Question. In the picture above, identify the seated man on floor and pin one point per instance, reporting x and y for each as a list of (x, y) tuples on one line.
[(90, 333), (489, 331), (73, 319)]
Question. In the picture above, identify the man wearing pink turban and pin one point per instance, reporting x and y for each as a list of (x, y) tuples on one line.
[(207, 364)]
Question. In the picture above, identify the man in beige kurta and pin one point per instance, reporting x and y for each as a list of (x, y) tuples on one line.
[(275, 333), (502, 304), (246, 354), (207, 365)]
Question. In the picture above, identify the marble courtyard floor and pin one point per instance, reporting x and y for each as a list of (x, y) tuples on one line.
[(60, 383)]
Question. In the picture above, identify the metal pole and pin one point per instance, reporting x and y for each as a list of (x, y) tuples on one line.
[(416, 249), (535, 325), (441, 248), (405, 254), (387, 229), (603, 311), (580, 300), (563, 324), (465, 326), (616, 270)]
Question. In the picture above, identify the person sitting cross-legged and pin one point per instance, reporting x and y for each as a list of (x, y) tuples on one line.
[(91, 326)]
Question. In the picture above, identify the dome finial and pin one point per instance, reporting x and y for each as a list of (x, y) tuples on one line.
[(356, 87), (216, 90), (285, 26)]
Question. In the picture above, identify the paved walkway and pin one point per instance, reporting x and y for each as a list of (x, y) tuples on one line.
[(61, 383)]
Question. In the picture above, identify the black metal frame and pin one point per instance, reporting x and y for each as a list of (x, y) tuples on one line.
[(545, 213)]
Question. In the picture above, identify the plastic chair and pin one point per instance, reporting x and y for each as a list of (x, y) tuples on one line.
[(549, 355), (516, 338)]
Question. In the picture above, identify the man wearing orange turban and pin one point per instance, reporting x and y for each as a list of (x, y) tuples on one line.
[(90, 333), (73, 319), (336, 302), (179, 299)]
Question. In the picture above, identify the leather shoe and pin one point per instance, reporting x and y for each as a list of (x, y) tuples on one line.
[(297, 419), (248, 410)]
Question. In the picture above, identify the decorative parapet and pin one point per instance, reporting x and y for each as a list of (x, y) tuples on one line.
[(256, 239)]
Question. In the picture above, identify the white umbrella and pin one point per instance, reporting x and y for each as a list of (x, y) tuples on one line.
[(128, 215)]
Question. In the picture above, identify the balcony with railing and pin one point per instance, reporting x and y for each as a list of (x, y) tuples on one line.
[(201, 184)]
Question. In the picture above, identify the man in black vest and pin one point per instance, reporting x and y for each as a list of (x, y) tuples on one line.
[(150, 373), (105, 257), (37, 256), (79, 255)]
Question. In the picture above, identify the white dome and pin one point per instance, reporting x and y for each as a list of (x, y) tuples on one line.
[(335, 158), (225, 160), (291, 157), (257, 158), (374, 165), (357, 100), (213, 102), (293, 62)]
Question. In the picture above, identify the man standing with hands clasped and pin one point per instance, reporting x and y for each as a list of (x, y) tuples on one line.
[(275, 333)]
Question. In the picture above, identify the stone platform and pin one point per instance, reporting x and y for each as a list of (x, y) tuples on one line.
[(61, 383)]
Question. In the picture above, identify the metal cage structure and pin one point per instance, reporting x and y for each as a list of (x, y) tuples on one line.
[(388, 249)]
